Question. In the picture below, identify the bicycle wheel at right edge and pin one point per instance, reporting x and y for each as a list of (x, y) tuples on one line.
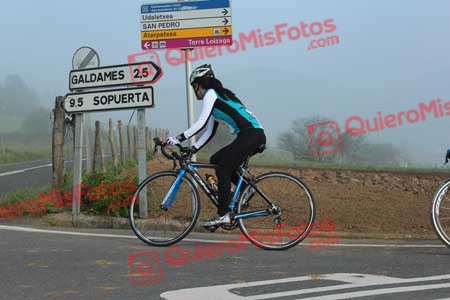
[(160, 227), (440, 213), (290, 224)]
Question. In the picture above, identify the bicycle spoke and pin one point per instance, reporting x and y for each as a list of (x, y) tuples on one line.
[(289, 217), (165, 227), (440, 215)]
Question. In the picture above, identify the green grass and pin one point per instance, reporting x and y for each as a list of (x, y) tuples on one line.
[(23, 196), (112, 175), (21, 153)]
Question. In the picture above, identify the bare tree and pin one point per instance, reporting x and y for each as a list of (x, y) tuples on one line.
[(317, 138)]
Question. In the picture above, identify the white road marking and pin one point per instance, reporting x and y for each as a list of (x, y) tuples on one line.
[(387, 246), (9, 173), (222, 292), (27, 229), (21, 163), (24, 170), (381, 292)]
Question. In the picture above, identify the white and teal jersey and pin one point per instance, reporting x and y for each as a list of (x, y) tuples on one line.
[(218, 110)]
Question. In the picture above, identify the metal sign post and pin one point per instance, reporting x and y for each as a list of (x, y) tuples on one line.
[(185, 25), (83, 57), (189, 96), (142, 162), (77, 164)]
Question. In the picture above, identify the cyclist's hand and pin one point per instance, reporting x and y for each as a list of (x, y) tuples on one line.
[(172, 141)]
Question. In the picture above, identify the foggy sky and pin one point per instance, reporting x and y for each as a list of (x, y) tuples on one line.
[(392, 55)]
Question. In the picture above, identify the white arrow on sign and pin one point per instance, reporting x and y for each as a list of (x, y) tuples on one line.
[(140, 97), (185, 24), (184, 15), (139, 74), (223, 292)]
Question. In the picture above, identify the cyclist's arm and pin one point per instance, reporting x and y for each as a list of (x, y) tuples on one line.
[(208, 106), (207, 135)]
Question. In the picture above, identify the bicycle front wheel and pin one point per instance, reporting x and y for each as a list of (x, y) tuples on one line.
[(440, 213), (290, 218), (163, 227)]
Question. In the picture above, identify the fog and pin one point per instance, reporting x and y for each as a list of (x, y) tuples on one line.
[(388, 58)]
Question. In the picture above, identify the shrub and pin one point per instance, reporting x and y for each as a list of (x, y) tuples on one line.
[(107, 193)]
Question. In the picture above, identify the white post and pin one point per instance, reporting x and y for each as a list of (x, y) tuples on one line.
[(87, 139), (77, 164), (142, 162), (189, 95)]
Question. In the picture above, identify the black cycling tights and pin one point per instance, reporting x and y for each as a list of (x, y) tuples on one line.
[(228, 160)]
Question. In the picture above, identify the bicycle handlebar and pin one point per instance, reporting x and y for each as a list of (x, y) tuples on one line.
[(174, 155)]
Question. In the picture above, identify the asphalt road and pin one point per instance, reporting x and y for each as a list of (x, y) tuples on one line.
[(34, 174), (25, 175), (86, 265)]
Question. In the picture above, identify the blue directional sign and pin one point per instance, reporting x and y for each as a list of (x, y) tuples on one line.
[(183, 6), (186, 24)]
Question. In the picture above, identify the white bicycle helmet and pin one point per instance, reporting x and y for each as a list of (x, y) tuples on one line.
[(201, 71)]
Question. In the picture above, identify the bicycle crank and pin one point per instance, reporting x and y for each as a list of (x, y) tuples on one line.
[(230, 226), (211, 228)]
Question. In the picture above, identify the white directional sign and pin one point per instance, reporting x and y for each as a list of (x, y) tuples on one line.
[(187, 15), (131, 98), (186, 24), (138, 74)]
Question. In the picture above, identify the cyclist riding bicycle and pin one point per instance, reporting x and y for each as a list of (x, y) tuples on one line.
[(221, 105)]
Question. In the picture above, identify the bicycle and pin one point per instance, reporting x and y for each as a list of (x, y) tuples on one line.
[(173, 199), (440, 211)]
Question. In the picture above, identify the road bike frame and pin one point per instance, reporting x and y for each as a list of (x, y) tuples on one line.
[(191, 169)]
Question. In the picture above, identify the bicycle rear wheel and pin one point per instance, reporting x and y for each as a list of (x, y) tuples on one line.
[(440, 213), (289, 223), (162, 227)]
